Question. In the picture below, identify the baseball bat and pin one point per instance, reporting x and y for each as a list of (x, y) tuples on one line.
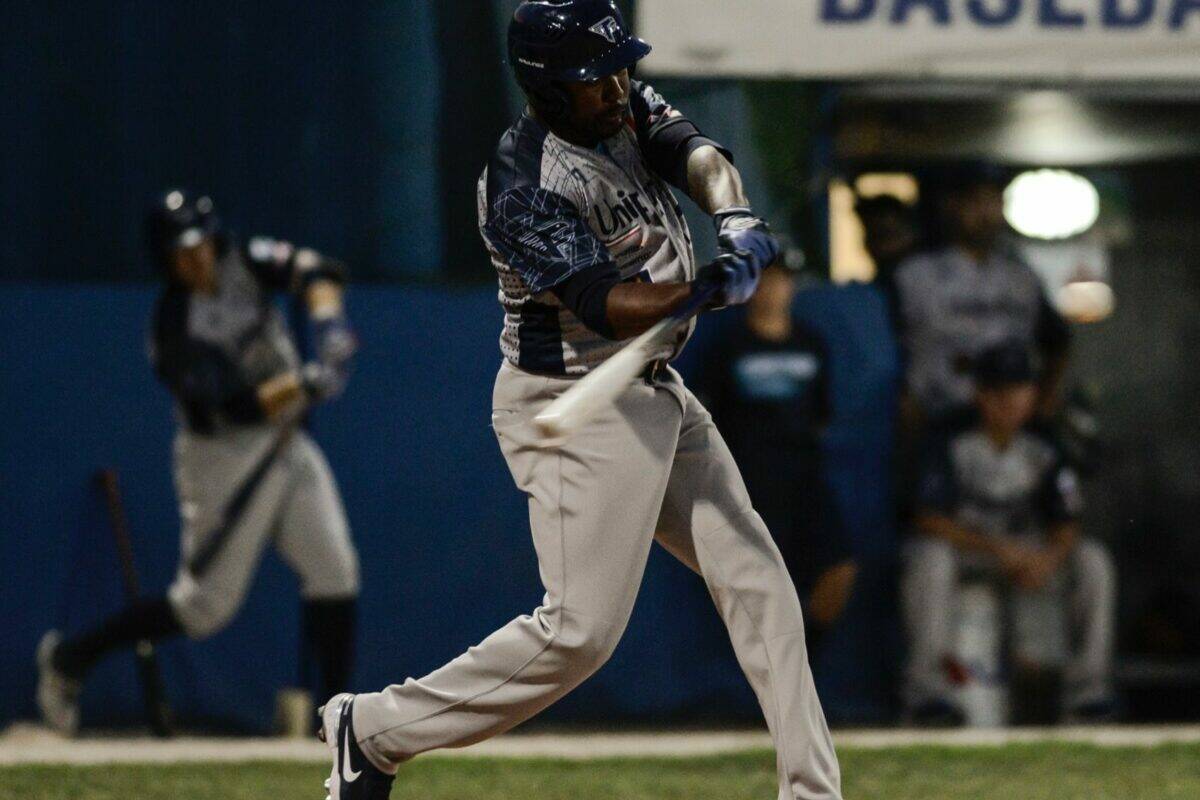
[(214, 540), (597, 390), (154, 697)]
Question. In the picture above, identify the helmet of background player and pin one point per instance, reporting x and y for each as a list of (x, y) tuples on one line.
[(178, 220), (551, 42)]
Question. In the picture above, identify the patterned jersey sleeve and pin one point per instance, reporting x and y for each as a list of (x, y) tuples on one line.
[(279, 265), (541, 235), (665, 135)]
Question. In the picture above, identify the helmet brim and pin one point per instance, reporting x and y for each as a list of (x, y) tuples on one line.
[(623, 56)]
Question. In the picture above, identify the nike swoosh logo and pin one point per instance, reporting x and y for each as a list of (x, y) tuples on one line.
[(348, 775)]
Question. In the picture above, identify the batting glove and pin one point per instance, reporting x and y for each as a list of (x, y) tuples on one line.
[(335, 340), (322, 382), (734, 276), (738, 230)]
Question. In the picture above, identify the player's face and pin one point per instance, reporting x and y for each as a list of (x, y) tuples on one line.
[(888, 236), (1009, 408), (978, 215), (598, 108), (195, 267)]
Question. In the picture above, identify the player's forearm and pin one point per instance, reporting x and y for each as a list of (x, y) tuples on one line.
[(634, 308), (713, 182), (942, 527), (280, 394)]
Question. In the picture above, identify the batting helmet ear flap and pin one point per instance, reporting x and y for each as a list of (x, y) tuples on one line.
[(550, 100)]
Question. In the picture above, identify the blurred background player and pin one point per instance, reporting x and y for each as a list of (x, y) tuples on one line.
[(1000, 502), (971, 294), (244, 474), (890, 235), (766, 382), (591, 248)]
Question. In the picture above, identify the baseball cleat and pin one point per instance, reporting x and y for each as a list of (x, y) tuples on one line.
[(57, 694), (352, 776)]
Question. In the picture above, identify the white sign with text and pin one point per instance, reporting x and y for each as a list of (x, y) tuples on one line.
[(1058, 40)]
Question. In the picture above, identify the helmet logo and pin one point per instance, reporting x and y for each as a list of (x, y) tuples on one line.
[(608, 27)]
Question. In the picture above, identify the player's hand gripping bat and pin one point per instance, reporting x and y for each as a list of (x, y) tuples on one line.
[(597, 390)]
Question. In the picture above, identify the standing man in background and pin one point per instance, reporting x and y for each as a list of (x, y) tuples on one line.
[(890, 235), (973, 294), (766, 382), (591, 249), (245, 474)]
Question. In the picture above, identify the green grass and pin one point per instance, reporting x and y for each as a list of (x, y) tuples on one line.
[(1015, 772)]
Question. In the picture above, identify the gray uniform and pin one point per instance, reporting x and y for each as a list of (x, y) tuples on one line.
[(1016, 493), (212, 351), (952, 308), (651, 468)]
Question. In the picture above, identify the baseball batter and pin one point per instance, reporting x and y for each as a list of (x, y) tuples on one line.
[(245, 475), (592, 249)]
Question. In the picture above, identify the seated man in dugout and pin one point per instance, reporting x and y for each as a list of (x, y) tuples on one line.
[(999, 503)]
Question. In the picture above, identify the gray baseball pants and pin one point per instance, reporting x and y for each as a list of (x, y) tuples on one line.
[(1083, 591), (296, 507), (653, 467)]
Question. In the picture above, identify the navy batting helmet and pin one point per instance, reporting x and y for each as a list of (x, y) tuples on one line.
[(553, 41), (178, 220)]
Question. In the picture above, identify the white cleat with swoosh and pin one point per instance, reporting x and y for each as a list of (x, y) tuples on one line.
[(352, 776)]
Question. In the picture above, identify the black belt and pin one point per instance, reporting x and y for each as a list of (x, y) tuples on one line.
[(653, 370)]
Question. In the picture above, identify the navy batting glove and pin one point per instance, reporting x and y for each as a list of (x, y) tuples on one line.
[(733, 275), (335, 341), (739, 230)]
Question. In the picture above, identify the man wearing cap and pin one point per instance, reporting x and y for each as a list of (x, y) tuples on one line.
[(972, 294), (997, 501), (246, 476), (590, 249)]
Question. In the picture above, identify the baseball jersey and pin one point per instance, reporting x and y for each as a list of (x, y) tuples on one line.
[(212, 351), (952, 308), (1017, 491), (550, 210)]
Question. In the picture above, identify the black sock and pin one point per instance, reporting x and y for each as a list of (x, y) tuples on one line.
[(151, 619), (328, 642)]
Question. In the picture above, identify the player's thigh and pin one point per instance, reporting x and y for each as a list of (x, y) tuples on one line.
[(209, 474), (705, 491), (312, 533), (593, 500), (708, 522)]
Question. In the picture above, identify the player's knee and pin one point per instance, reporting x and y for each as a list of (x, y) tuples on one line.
[(203, 614), (337, 578), (1095, 573), (587, 644)]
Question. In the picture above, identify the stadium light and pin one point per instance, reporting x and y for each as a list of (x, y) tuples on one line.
[(1051, 204)]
